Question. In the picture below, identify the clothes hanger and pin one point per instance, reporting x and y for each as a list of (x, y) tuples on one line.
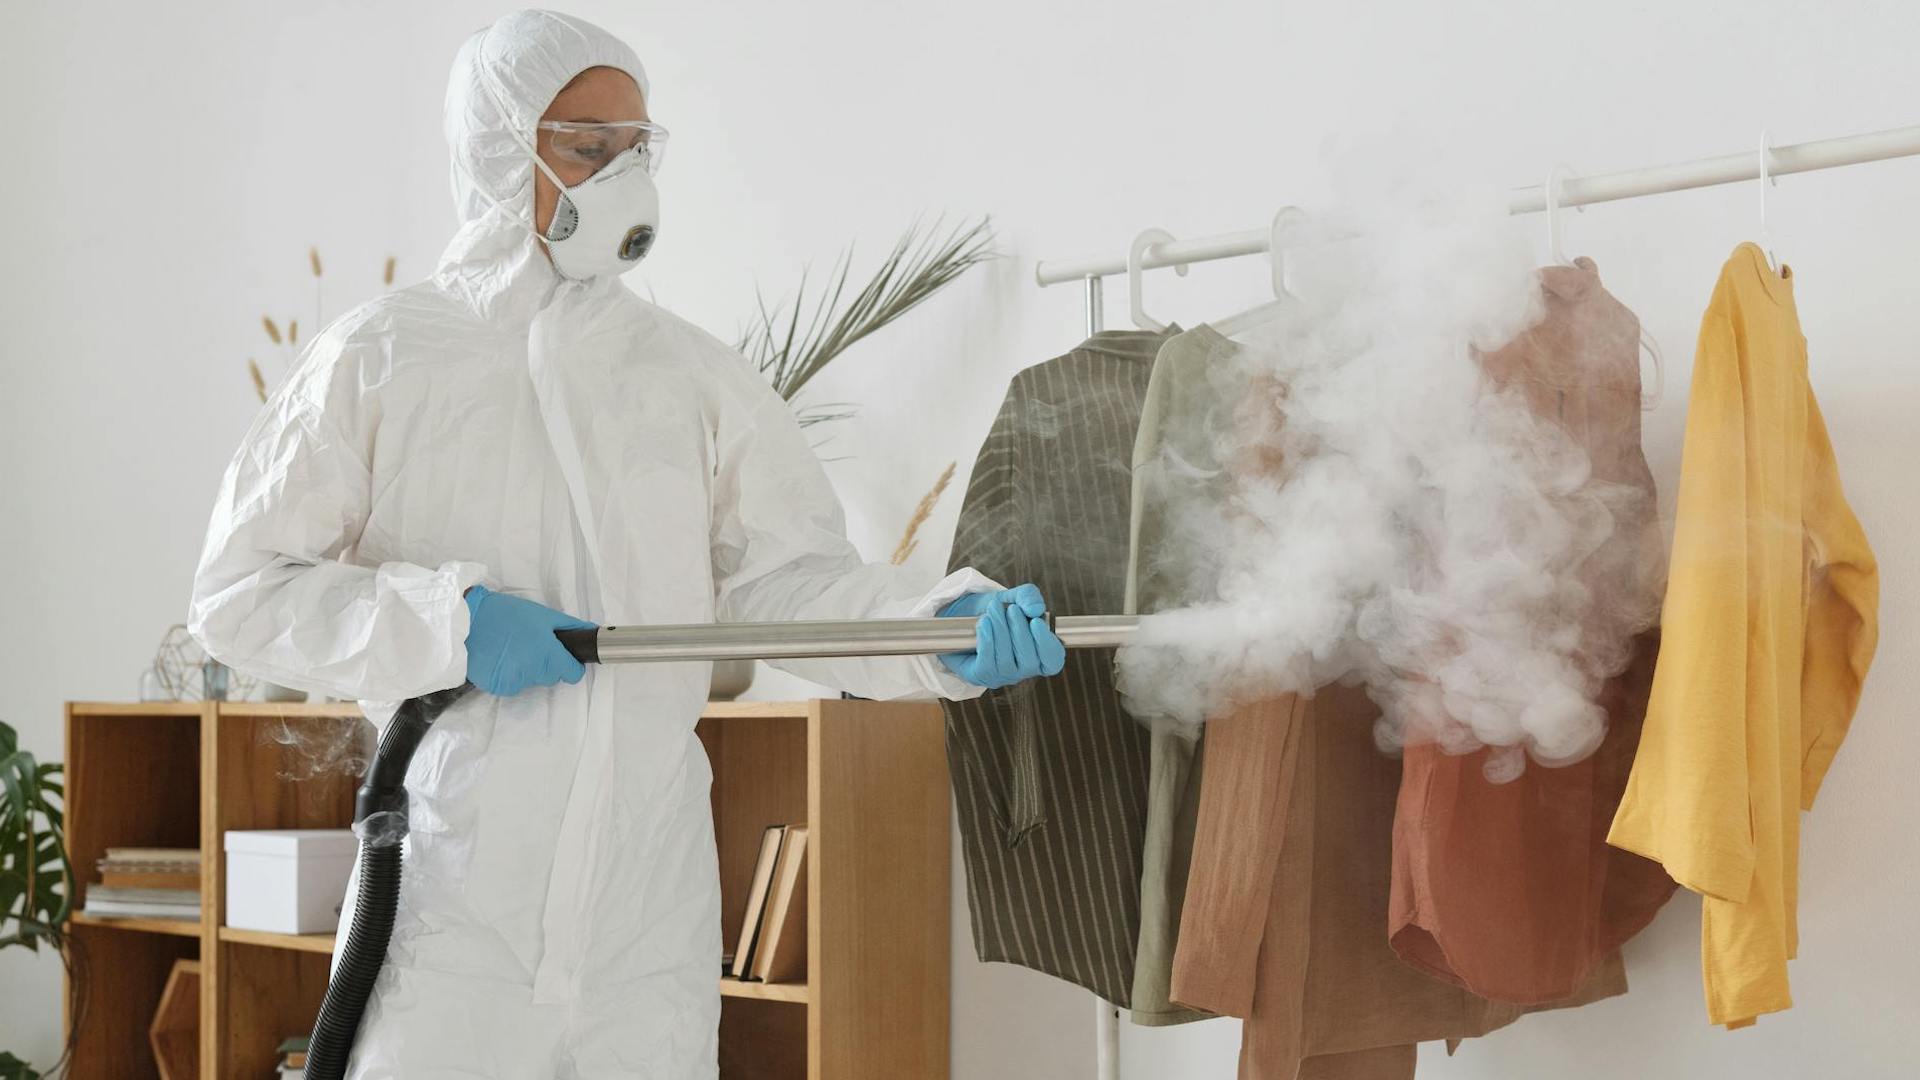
[(1767, 180), (1136, 253), (1555, 252), (1649, 397), (1234, 325)]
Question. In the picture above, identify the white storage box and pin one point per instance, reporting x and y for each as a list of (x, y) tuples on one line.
[(288, 881)]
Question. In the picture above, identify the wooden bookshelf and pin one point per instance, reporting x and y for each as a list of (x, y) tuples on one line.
[(869, 779)]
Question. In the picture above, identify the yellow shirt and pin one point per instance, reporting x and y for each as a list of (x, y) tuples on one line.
[(1768, 628)]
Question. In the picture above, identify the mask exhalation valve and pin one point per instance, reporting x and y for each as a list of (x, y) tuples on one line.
[(638, 241)]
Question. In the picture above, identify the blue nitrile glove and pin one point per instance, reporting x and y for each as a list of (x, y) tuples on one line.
[(510, 643), (1014, 642)]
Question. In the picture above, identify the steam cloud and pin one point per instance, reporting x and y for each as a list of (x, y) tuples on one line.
[(1395, 519), (311, 749)]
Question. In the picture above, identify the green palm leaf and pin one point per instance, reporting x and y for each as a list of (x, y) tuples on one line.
[(792, 342)]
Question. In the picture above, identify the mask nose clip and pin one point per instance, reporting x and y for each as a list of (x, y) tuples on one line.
[(638, 241)]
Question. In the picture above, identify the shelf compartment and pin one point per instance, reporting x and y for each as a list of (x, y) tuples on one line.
[(176, 927), (175, 1031), (126, 974), (259, 774), (261, 996), (133, 780), (316, 943), (765, 1040), (266, 774), (793, 993), (759, 779)]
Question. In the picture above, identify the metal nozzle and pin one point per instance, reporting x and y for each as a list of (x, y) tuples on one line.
[(814, 640)]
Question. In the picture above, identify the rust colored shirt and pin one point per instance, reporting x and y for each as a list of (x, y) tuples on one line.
[(1286, 906), (1510, 889)]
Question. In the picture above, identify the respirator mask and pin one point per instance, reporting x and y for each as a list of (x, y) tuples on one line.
[(606, 223)]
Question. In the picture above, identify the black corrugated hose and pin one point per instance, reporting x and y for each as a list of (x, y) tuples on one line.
[(383, 792), (380, 817)]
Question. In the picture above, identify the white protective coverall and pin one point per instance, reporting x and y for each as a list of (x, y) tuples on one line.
[(567, 442)]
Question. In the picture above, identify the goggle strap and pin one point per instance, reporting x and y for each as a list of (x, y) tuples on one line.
[(541, 164)]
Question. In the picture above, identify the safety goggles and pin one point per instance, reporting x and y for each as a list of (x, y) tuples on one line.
[(592, 145)]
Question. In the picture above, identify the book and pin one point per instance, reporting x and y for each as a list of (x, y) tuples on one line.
[(153, 855), (757, 899), (118, 879), (128, 866), (115, 909), (782, 953), (184, 897)]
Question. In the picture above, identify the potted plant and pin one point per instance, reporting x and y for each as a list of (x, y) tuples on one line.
[(36, 893)]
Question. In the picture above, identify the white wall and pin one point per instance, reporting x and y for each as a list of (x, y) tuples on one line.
[(167, 166)]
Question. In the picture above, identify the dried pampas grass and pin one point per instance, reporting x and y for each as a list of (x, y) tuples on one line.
[(920, 515), (289, 337)]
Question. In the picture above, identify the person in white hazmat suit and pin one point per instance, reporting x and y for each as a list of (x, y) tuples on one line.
[(455, 464)]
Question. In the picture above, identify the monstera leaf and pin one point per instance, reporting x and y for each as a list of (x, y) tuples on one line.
[(34, 872), (35, 897)]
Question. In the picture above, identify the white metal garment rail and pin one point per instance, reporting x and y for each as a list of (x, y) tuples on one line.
[(1571, 191), (1574, 191)]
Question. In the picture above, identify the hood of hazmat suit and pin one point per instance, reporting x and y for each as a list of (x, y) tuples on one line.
[(567, 442)]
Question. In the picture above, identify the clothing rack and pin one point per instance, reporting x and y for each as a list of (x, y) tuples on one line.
[(1573, 191), (1568, 191)]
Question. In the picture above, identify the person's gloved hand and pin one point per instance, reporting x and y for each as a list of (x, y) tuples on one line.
[(510, 643), (1014, 642)]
